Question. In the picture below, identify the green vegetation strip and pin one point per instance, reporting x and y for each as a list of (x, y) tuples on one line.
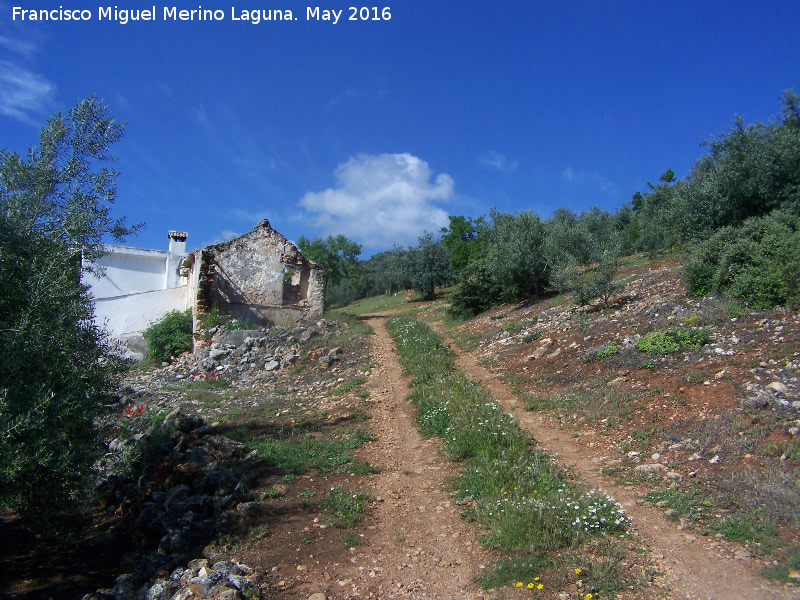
[(296, 454), (547, 526)]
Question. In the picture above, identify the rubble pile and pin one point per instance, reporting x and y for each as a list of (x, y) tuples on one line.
[(195, 487)]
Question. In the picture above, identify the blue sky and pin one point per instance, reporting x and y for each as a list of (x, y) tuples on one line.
[(380, 129)]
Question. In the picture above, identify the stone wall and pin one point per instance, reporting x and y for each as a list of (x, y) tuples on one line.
[(259, 276)]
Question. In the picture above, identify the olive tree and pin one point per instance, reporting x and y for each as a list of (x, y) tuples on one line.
[(55, 207)]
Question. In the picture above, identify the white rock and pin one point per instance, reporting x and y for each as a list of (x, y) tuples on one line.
[(777, 386), (649, 468)]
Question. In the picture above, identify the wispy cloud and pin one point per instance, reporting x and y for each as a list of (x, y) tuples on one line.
[(23, 93), (251, 217), (588, 178), (498, 161), (381, 200)]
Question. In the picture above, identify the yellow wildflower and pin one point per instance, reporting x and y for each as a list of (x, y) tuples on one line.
[(577, 571), (540, 586), (530, 586), (536, 579), (519, 584)]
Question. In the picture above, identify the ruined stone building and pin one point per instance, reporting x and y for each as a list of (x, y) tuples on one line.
[(260, 277)]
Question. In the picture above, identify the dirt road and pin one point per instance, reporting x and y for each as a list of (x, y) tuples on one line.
[(693, 566), (416, 544)]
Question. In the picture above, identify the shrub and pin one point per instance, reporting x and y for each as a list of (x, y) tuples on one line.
[(476, 291), (757, 263), (170, 336), (667, 342)]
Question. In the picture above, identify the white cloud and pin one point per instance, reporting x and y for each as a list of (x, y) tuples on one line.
[(381, 200), (23, 92), (498, 160)]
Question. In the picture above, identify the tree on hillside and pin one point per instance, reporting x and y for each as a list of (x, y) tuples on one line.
[(55, 206), (339, 256), (461, 239), (428, 266)]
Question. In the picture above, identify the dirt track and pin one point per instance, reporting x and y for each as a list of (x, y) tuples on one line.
[(692, 568)]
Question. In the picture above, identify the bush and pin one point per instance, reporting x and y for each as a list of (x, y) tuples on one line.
[(170, 336), (757, 263), (590, 284), (667, 342), (476, 291)]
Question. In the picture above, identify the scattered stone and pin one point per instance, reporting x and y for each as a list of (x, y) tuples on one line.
[(778, 388), (649, 468)]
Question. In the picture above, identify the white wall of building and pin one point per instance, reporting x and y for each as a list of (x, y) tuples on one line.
[(138, 287), (126, 316), (129, 271)]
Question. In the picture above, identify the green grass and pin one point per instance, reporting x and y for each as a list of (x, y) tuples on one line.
[(517, 326), (345, 508), (532, 509), (346, 386), (296, 454), (689, 504), (377, 304), (790, 565), (355, 325)]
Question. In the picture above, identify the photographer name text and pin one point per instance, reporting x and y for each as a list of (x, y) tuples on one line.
[(124, 16)]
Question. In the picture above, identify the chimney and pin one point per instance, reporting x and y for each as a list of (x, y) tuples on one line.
[(177, 242), (177, 252)]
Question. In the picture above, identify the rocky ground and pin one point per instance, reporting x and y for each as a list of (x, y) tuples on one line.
[(199, 496)]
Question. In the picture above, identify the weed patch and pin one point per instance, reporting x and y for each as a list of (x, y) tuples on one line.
[(346, 386), (345, 508), (297, 454), (667, 342)]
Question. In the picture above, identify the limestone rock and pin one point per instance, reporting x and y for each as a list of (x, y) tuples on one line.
[(778, 387)]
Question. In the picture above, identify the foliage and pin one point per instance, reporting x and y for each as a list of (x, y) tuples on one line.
[(428, 266), (667, 342), (55, 369), (339, 256), (602, 352), (757, 263), (747, 172), (169, 336), (511, 266), (476, 290), (461, 239)]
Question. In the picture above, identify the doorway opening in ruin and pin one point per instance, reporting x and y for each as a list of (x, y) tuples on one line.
[(295, 284)]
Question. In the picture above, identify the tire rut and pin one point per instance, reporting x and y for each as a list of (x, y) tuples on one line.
[(418, 546), (692, 569)]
